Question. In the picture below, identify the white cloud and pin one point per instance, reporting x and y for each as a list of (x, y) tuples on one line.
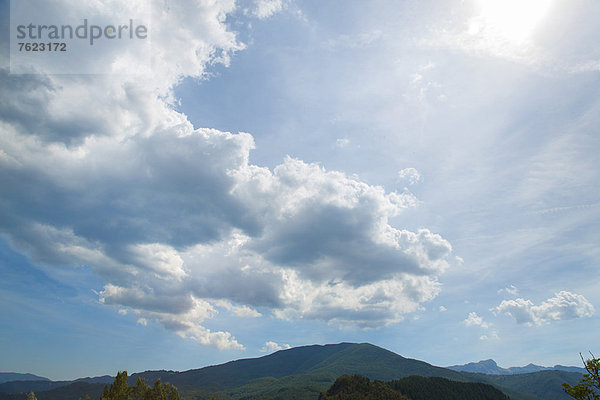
[(103, 172), (443, 309), (240, 311), (475, 320), (271, 347), (220, 340), (410, 176), (161, 259), (563, 306), (182, 313), (267, 8), (103, 145), (188, 226), (368, 306)]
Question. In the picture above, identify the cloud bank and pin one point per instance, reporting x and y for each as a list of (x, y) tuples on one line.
[(101, 171)]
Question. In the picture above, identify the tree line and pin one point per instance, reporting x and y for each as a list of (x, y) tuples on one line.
[(120, 390)]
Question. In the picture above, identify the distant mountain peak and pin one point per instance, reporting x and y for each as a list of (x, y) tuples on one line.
[(490, 367), (15, 376), (489, 362)]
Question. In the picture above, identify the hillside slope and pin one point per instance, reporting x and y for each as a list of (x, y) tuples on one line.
[(377, 363), (282, 363)]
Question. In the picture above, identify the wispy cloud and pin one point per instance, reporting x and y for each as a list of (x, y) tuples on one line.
[(355, 41), (512, 290), (342, 142)]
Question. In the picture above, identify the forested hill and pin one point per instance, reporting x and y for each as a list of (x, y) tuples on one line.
[(328, 360), (357, 387)]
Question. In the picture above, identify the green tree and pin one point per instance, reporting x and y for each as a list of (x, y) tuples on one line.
[(141, 391), (119, 390), (589, 386), (158, 391), (31, 396)]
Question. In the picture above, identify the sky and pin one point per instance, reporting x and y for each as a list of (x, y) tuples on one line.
[(420, 175)]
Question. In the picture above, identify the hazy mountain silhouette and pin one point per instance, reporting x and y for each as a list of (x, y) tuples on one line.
[(490, 367), (14, 376)]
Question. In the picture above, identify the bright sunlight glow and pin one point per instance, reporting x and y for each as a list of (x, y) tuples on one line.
[(510, 20)]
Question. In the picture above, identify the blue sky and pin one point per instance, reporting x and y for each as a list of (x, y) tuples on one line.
[(420, 175)]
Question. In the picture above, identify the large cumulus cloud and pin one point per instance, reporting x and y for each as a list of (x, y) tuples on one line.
[(102, 171)]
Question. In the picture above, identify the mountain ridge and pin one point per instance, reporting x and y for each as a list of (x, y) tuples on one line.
[(304, 372), (16, 376), (490, 367), (46, 385)]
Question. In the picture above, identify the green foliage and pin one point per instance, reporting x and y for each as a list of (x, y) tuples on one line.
[(425, 388), (357, 387), (589, 386), (141, 391), (119, 390), (31, 396)]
